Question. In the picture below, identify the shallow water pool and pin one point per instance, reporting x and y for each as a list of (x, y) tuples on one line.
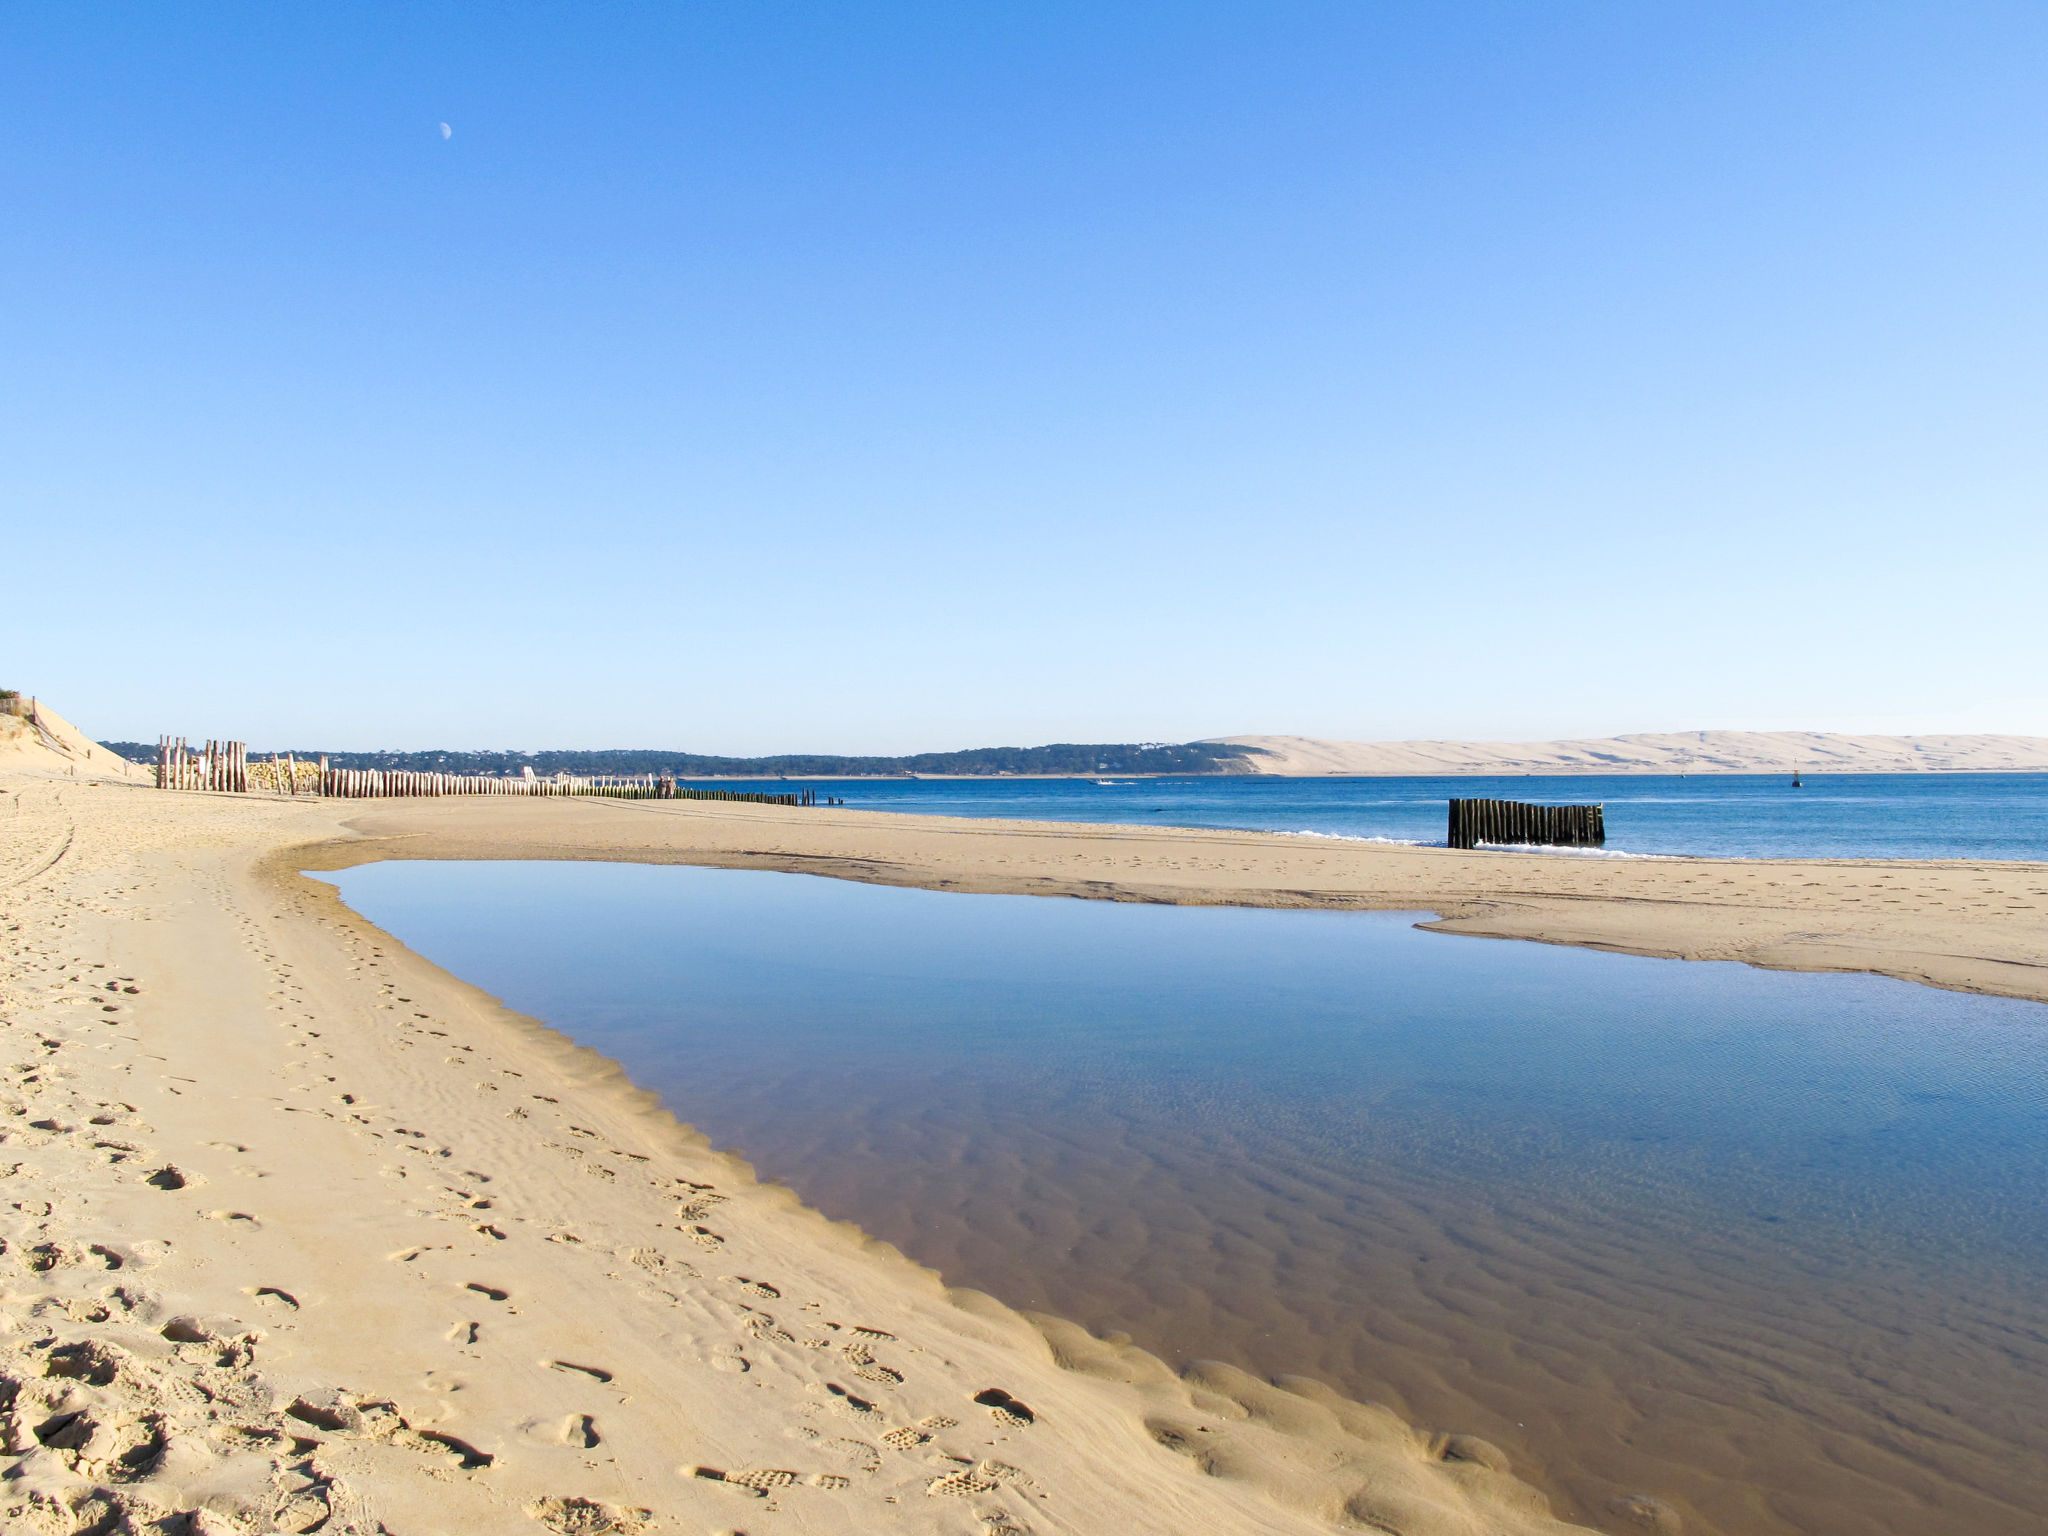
[(1767, 1246)]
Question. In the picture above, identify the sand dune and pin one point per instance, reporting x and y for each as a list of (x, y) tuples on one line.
[(45, 742), (1669, 752)]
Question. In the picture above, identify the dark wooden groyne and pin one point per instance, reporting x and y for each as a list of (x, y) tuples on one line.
[(1512, 821)]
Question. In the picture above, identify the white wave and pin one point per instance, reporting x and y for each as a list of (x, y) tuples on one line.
[(1416, 842), (1350, 837), (1577, 853)]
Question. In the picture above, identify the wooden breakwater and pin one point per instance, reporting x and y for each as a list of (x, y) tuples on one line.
[(401, 783), (224, 766), (1512, 821), (219, 765)]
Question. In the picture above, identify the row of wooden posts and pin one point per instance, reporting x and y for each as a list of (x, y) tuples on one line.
[(1514, 822), (363, 783), (224, 766)]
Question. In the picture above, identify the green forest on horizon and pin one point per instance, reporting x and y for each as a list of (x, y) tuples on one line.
[(1064, 758)]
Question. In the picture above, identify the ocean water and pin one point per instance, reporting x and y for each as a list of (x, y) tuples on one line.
[(1771, 1247), (1835, 816)]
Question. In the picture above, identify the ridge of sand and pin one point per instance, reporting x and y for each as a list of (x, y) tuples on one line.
[(1654, 752), (306, 1234)]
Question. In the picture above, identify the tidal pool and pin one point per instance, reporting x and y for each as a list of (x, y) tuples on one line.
[(1767, 1246)]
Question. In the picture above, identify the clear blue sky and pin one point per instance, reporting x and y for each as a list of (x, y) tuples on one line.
[(756, 377)]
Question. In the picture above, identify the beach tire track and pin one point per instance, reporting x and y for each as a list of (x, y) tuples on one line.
[(50, 863)]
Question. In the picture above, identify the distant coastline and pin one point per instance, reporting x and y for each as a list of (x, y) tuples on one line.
[(1677, 752), (1061, 760)]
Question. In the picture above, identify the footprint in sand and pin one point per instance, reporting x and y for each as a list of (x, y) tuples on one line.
[(1005, 1409), (586, 1517), (730, 1358), (972, 1478), (697, 1206), (858, 1453), (761, 1482), (864, 1365), (848, 1403), (760, 1325)]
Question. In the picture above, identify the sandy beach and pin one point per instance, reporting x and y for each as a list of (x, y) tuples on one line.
[(304, 1230)]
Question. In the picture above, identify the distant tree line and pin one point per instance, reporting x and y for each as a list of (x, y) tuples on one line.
[(1064, 758)]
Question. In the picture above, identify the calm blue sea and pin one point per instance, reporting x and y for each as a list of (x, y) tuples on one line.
[(1836, 816), (1772, 1246)]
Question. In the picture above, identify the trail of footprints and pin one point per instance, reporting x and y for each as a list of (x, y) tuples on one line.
[(771, 1338), (103, 1387), (114, 1414)]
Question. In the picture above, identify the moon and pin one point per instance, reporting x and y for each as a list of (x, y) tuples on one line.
[(447, 132)]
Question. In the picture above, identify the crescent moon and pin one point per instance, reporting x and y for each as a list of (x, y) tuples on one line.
[(447, 132)]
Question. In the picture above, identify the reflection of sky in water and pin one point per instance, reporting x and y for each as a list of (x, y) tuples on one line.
[(1856, 816), (1848, 1110)]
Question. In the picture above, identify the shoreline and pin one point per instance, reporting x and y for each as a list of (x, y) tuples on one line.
[(368, 1214), (1967, 925)]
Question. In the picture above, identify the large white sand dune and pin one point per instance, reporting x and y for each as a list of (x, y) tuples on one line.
[(1660, 752)]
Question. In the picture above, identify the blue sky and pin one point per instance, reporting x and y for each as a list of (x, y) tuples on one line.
[(757, 377)]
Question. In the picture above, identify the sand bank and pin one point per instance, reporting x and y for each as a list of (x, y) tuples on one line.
[(304, 1234), (1975, 927)]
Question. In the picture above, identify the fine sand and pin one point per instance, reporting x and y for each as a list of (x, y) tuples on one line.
[(303, 1230), (1653, 752)]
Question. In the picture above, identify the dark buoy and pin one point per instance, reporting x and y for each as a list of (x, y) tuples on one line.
[(1795, 780)]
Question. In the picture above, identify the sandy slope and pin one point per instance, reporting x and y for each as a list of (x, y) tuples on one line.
[(304, 1234), (1670, 752), (48, 744)]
